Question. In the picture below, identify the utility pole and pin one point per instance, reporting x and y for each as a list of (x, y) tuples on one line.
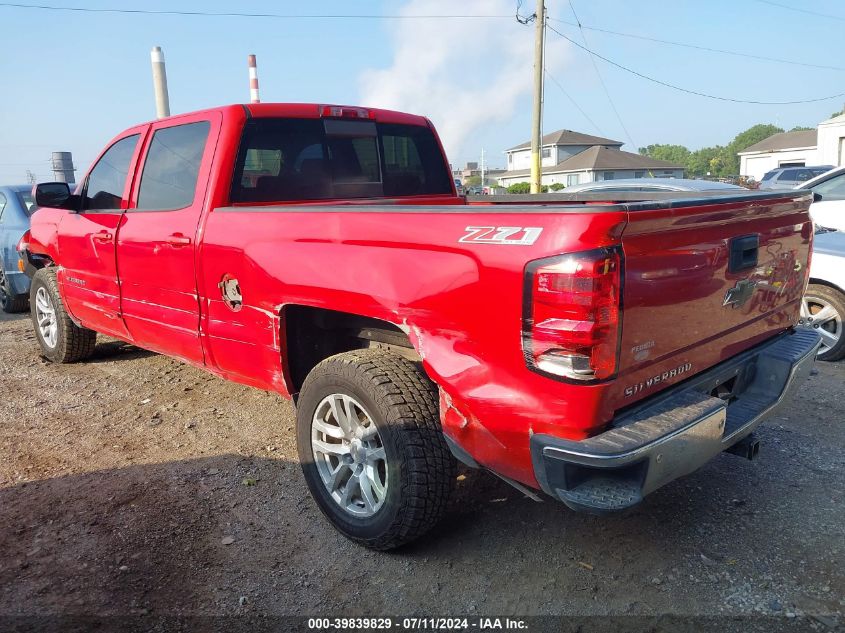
[(160, 83), (537, 119), (482, 168)]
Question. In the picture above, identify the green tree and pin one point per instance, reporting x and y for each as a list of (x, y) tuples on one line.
[(801, 128), (557, 186), (472, 181), (754, 134), (519, 187), (677, 154), (699, 160), (524, 187)]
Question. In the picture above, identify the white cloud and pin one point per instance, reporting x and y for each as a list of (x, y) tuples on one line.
[(463, 74)]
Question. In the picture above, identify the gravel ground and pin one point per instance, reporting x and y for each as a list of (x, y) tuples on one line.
[(133, 484)]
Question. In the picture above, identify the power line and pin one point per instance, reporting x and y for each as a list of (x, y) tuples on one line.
[(693, 92), (575, 103), (788, 8), (598, 74), (701, 48), (227, 14)]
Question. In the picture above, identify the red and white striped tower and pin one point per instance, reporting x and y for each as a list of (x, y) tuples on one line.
[(253, 80)]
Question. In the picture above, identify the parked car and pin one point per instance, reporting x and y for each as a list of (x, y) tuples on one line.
[(790, 177), (653, 185), (829, 208), (592, 351), (16, 205), (823, 308)]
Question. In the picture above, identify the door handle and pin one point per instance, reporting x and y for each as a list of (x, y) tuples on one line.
[(177, 239), (103, 236)]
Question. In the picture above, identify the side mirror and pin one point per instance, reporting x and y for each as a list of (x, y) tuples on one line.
[(51, 194)]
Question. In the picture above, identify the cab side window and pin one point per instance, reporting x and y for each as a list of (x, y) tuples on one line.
[(107, 181), (2, 205), (172, 166)]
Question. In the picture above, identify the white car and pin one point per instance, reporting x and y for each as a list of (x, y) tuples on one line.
[(829, 210), (823, 306)]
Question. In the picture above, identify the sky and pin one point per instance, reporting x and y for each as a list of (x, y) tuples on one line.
[(74, 80)]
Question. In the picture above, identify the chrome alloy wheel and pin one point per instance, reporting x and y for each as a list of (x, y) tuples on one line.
[(349, 454), (45, 315), (819, 315)]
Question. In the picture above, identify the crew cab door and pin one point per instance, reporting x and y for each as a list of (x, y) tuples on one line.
[(156, 244), (86, 239)]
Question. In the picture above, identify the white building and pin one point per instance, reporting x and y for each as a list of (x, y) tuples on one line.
[(571, 158), (822, 146)]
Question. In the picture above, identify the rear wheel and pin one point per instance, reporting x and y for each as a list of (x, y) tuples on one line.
[(823, 310), (371, 448), (61, 340), (10, 303)]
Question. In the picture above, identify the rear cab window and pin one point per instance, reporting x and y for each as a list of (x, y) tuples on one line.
[(322, 159)]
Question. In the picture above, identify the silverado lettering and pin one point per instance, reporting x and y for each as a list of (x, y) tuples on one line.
[(666, 375)]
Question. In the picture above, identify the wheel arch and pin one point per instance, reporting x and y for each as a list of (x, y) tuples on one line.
[(824, 282), (311, 334)]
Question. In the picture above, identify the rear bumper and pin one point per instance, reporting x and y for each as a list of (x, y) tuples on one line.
[(676, 432)]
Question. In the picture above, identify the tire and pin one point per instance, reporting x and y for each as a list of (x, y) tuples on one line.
[(403, 461), (61, 340), (10, 303), (830, 303)]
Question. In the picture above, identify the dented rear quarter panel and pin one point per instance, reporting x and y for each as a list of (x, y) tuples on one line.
[(460, 304)]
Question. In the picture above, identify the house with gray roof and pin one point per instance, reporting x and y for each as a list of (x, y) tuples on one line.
[(571, 158), (784, 149), (803, 148)]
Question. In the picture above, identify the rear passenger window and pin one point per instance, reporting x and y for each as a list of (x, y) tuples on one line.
[(2, 208), (172, 166)]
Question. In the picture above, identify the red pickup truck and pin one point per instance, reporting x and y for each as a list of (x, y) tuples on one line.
[(594, 349)]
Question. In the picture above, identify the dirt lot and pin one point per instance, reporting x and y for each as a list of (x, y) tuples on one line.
[(133, 484)]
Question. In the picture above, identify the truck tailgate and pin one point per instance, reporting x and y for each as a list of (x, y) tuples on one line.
[(705, 280)]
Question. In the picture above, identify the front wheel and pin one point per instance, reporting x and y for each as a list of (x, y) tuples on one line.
[(371, 447), (823, 310), (61, 340)]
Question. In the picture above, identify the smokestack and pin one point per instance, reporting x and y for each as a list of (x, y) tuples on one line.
[(160, 83), (63, 167), (253, 80)]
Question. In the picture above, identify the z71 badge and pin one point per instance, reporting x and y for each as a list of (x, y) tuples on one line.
[(515, 235)]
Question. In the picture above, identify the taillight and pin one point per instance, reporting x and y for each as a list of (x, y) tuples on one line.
[(23, 243), (571, 317)]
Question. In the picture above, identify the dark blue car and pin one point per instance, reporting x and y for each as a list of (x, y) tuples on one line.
[(16, 205)]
